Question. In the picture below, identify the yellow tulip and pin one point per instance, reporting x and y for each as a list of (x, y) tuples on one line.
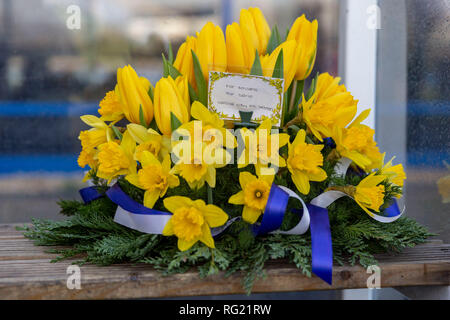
[(211, 50), (133, 93), (183, 61), (255, 28), (291, 55), (171, 96), (304, 33), (240, 51)]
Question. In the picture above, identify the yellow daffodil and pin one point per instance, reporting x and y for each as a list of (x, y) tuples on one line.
[(357, 143), (111, 108), (444, 188), (171, 96), (192, 221), (211, 127), (304, 33), (97, 135), (133, 94), (395, 174), (211, 49), (154, 177), (261, 148), (149, 140), (331, 106), (184, 63), (116, 159), (291, 54), (255, 28), (87, 158), (304, 162), (199, 166), (368, 194), (254, 195), (240, 50)]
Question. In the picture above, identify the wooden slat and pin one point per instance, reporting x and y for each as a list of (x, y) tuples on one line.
[(26, 273)]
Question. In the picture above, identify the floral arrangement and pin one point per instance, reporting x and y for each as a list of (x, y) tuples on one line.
[(176, 186)]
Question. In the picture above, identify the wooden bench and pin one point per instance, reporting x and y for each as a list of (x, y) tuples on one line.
[(26, 273)]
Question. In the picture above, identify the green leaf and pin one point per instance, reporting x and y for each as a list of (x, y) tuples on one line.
[(173, 72), (170, 53), (150, 92), (165, 66), (175, 123), (312, 87), (256, 68), (299, 91), (200, 80), (117, 132), (141, 116), (274, 40), (192, 94), (278, 69)]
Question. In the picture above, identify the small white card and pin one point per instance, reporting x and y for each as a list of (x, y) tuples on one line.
[(230, 93)]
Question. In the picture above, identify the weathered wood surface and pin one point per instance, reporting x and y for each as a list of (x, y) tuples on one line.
[(26, 273)]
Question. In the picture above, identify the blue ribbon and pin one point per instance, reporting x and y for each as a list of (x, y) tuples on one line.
[(321, 243), (90, 194), (116, 195), (274, 212), (393, 210)]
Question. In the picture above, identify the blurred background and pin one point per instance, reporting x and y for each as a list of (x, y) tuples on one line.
[(51, 72)]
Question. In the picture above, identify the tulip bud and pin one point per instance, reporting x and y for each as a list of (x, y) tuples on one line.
[(211, 50), (255, 28), (171, 96), (183, 61), (291, 52), (240, 52), (304, 33), (133, 94)]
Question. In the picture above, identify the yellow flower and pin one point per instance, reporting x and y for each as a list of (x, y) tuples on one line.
[(261, 148), (240, 51), (291, 54), (444, 188), (99, 134), (254, 195), (115, 160), (330, 106), (395, 174), (304, 33), (255, 28), (154, 177), (368, 194), (192, 221), (149, 140), (211, 126), (110, 107), (304, 162), (171, 96), (357, 143), (184, 63), (211, 49), (133, 94), (86, 158)]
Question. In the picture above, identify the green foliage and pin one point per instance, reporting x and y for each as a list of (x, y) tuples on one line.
[(91, 235)]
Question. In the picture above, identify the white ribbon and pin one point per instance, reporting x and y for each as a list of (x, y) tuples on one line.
[(152, 224)]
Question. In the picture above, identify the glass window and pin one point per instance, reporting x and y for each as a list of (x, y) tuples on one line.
[(413, 109), (59, 58)]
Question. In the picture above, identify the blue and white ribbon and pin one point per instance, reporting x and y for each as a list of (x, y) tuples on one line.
[(313, 216)]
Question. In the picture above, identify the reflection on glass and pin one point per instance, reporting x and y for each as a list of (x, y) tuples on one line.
[(56, 66), (428, 114)]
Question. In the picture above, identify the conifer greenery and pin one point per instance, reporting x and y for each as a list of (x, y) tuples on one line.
[(93, 237)]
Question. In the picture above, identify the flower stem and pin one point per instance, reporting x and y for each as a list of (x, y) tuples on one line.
[(210, 194)]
